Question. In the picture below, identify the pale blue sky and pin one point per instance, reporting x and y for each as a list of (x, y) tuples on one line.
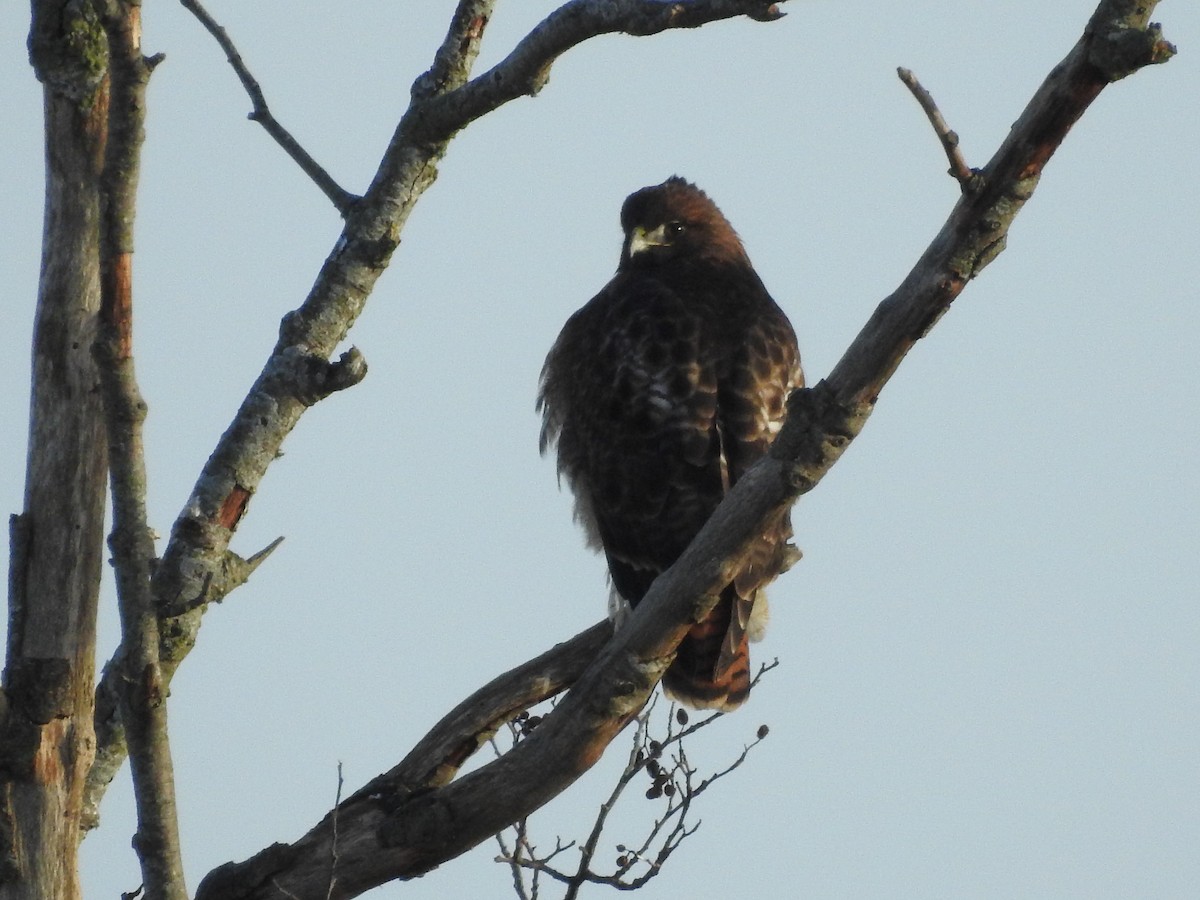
[(989, 655)]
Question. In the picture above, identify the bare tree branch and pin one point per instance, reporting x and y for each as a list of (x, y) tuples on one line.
[(333, 844), (523, 851), (176, 636), (390, 832), (514, 857), (672, 779), (342, 199), (191, 573), (456, 56), (949, 139), (634, 765), (977, 228), (143, 692), (437, 757), (57, 541), (525, 71)]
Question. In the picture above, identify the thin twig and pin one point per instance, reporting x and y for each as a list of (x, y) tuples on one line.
[(523, 854), (520, 846), (333, 844), (632, 767), (339, 196), (959, 169), (676, 781), (510, 857)]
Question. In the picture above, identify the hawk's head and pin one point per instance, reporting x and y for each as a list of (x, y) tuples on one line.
[(676, 222)]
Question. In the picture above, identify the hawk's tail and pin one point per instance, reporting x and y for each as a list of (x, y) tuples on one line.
[(712, 666)]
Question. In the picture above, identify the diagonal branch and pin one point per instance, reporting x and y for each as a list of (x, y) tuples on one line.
[(342, 199), (192, 571), (454, 58), (949, 139), (437, 757), (526, 70), (669, 829), (976, 231), (393, 832), (632, 768)]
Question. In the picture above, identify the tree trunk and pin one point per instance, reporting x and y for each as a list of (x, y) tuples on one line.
[(47, 740)]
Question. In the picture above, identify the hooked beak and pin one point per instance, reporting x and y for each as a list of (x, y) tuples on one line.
[(640, 239)]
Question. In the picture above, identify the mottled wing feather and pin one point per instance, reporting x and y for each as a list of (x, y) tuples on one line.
[(658, 406), (632, 407), (752, 407)]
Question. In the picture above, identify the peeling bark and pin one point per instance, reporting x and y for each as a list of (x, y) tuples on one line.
[(46, 736)]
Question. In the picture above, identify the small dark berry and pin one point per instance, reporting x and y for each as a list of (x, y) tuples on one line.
[(763, 730), (681, 716)]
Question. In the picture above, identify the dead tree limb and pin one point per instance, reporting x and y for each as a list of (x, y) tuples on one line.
[(57, 541), (143, 694), (658, 755), (948, 138), (398, 830), (341, 198), (197, 565)]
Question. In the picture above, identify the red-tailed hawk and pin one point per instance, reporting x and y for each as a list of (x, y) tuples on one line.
[(660, 393)]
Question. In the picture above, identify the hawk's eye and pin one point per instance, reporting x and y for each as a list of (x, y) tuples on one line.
[(674, 229)]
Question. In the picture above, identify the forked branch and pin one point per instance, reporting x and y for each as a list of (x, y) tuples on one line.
[(195, 564), (659, 756), (399, 830)]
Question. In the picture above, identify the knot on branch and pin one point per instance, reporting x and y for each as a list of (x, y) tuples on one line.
[(817, 431), (244, 879), (1124, 50), (539, 79), (232, 572), (40, 688), (69, 50), (633, 687), (425, 86), (420, 826), (632, 681), (311, 378)]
